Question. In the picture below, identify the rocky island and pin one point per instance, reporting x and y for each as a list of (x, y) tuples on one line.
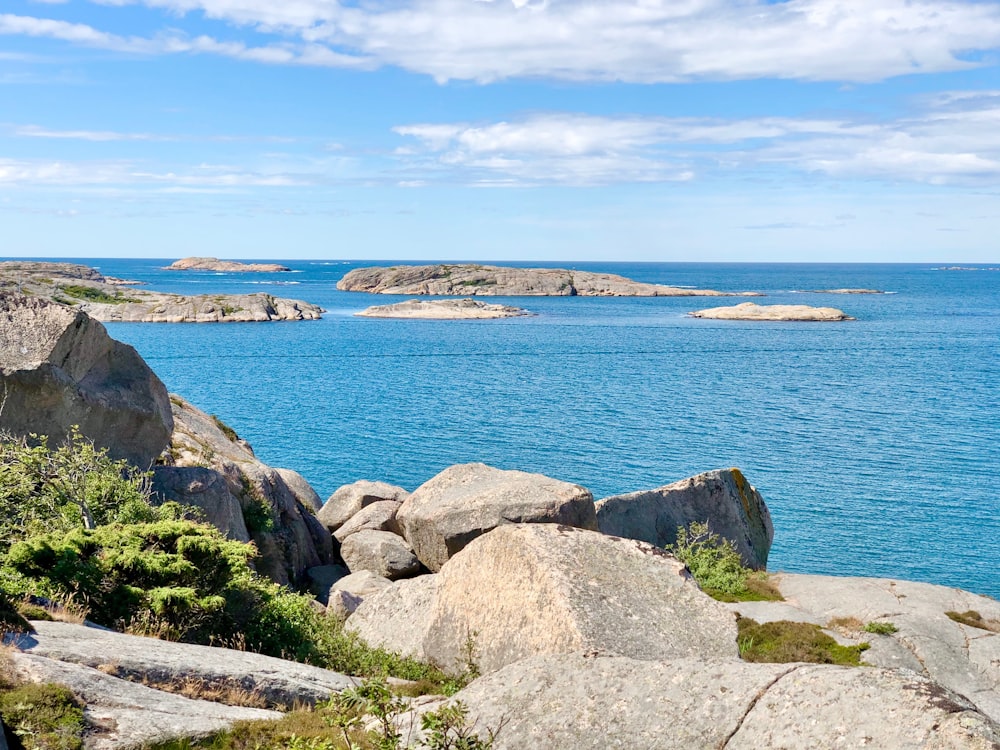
[(444, 309), (509, 281), (103, 299), (224, 266), (844, 291), (565, 622), (751, 311)]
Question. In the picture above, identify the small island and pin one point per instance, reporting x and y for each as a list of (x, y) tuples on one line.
[(444, 309), (509, 281), (224, 266), (751, 311), (103, 298), (843, 291)]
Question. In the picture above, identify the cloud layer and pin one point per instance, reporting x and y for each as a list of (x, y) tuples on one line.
[(640, 41)]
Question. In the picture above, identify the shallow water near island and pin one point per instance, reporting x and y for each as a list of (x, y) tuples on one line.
[(876, 443)]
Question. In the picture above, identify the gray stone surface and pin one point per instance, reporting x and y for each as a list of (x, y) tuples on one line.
[(351, 498), (530, 589), (362, 584), (301, 488), (322, 577), (205, 489), (961, 658), (465, 279), (600, 701), (154, 662), (731, 505), (380, 552), (296, 540), (130, 715), (399, 617), (59, 368), (342, 604), (463, 502), (379, 516)]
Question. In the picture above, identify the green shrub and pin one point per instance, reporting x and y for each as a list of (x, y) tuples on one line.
[(228, 431), (718, 567), (94, 294), (44, 716), (75, 485), (880, 628), (11, 620), (784, 641)]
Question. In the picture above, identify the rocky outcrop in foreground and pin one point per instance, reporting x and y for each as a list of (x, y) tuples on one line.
[(224, 266), (444, 309), (103, 299), (465, 280), (59, 368), (751, 311), (732, 507)]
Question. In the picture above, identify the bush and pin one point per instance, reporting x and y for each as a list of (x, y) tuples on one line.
[(75, 485), (881, 628), (784, 641), (44, 716), (718, 567)]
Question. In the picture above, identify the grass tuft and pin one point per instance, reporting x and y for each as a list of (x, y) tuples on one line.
[(975, 620), (783, 641)]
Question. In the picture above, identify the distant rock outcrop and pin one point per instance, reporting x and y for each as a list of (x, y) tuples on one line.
[(59, 368), (465, 280), (845, 291), (463, 502), (751, 311), (224, 266), (444, 309), (102, 298), (723, 498)]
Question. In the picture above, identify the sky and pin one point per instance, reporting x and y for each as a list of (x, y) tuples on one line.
[(587, 130)]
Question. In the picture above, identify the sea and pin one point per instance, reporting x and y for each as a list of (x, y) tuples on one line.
[(876, 442)]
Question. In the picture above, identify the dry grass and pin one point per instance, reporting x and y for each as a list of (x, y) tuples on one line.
[(66, 610), (848, 626), (229, 692), (975, 620)]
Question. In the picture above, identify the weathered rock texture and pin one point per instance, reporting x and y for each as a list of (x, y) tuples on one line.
[(508, 281), (226, 266), (351, 498), (598, 702), (379, 516), (731, 506), (103, 299), (463, 502), (59, 368), (167, 664), (444, 309), (399, 616), (962, 658), (289, 537), (751, 311), (380, 552), (530, 589), (361, 584)]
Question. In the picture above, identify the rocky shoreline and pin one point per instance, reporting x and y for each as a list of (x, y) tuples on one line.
[(509, 281), (103, 298), (224, 266), (583, 629), (444, 309)]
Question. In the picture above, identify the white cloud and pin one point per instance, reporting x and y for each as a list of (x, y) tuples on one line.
[(955, 140), (641, 41)]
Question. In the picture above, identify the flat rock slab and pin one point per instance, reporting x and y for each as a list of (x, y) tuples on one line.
[(530, 589), (444, 309), (962, 658), (130, 715), (594, 702), (152, 661), (463, 502), (724, 498), (751, 311)]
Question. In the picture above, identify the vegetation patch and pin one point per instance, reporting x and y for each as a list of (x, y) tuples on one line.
[(44, 716), (783, 641), (228, 431), (93, 294), (975, 620), (718, 567), (881, 628)]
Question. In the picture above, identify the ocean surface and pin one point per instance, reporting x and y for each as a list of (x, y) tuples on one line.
[(876, 443)]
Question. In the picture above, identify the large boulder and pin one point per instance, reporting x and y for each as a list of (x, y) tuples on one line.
[(530, 589), (60, 368), (464, 502), (380, 552), (278, 516), (351, 498), (723, 498), (207, 490), (399, 616), (380, 516), (593, 702)]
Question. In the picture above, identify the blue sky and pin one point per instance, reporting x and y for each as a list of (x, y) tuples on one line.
[(689, 130)]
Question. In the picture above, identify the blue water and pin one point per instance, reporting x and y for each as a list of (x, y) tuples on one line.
[(876, 443)]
